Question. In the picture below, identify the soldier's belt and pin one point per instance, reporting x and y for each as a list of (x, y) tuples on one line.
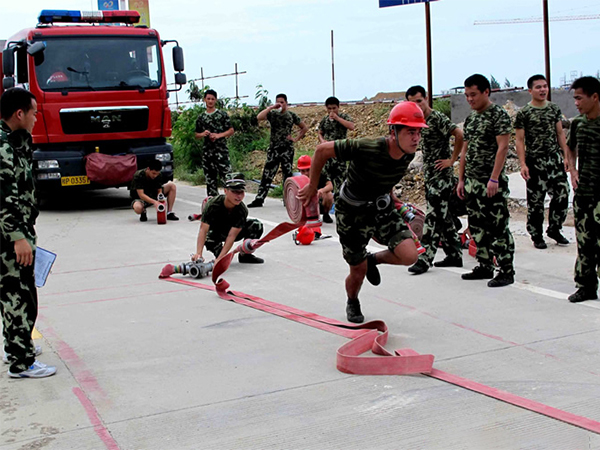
[(381, 203)]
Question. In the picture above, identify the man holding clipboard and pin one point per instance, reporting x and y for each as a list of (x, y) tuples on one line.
[(18, 211)]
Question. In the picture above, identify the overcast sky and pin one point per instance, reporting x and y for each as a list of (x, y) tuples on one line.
[(285, 44)]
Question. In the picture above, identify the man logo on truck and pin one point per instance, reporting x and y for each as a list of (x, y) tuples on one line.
[(106, 120)]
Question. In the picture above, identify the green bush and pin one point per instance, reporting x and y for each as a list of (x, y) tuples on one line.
[(442, 105), (187, 150)]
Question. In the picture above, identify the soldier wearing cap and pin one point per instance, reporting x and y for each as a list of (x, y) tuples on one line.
[(225, 221), (364, 208)]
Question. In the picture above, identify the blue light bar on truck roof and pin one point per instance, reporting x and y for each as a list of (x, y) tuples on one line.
[(65, 16)]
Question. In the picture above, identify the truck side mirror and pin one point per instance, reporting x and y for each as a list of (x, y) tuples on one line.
[(8, 82), (178, 64), (37, 51), (180, 78), (8, 61)]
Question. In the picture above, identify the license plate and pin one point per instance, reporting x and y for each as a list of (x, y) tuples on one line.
[(74, 181)]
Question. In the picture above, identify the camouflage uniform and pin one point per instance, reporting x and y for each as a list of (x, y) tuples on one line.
[(221, 221), (281, 150), (488, 217), (332, 130), (215, 159), (544, 159), (585, 137), (18, 294), (372, 173), (439, 188)]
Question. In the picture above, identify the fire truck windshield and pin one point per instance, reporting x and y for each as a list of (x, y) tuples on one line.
[(99, 63)]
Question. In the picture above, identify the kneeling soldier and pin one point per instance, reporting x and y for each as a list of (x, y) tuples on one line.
[(225, 220)]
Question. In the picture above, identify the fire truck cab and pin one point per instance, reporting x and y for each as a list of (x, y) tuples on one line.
[(101, 87)]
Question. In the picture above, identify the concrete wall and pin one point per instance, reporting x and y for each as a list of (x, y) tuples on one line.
[(564, 99)]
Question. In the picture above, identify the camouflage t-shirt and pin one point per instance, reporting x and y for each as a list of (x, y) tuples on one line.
[(18, 209), (332, 130), (221, 219), (585, 137), (148, 185), (281, 126), (540, 129), (372, 171), (435, 144), (481, 130), (217, 122)]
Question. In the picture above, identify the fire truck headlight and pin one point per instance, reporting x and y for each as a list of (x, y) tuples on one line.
[(166, 157)]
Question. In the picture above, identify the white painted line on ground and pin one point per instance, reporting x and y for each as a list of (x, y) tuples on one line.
[(516, 285)]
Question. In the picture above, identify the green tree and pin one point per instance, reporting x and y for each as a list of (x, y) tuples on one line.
[(494, 83), (507, 84)]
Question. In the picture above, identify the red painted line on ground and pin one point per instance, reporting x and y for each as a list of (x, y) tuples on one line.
[(102, 300), (107, 268), (87, 383), (95, 420), (304, 317), (96, 289)]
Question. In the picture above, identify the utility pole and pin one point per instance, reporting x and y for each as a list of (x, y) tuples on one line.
[(332, 67), (429, 58), (547, 46)]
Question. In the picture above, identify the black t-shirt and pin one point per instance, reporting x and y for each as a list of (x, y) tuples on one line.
[(221, 219), (148, 185)]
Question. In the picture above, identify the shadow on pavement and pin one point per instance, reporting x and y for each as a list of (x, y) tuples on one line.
[(64, 200)]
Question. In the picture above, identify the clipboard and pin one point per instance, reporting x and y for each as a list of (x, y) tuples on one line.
[(42, 265)]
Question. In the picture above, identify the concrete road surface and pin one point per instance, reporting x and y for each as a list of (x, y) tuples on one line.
[(145, 364)]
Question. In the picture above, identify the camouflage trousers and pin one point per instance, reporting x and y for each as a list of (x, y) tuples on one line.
[(440, 222), (215, 164), (587, 227), (488, 223), (356, 226), (18, 306), (252, 229), (276, 156), (546, 177), (336, 170)]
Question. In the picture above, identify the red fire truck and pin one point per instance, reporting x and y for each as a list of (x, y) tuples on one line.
[(101, 91)]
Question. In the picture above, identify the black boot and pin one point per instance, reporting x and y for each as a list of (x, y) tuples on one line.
[(353, 312), (582, 295), (558, 237), (256, 203), (419, 267), (373, 275), (247, 258), (479, 273), (502, 279), (449, 262)]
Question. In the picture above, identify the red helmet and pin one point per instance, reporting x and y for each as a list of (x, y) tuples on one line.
[(305, 236), (304, 162), (407, 114)]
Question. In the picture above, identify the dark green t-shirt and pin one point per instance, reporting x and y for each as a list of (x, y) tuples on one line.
[(148, 185), (435, 144), (539, 124), (585, 137), (372, 171), (481, 130), (281, 126), (221, 219), (332, 130), (217, 122)]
